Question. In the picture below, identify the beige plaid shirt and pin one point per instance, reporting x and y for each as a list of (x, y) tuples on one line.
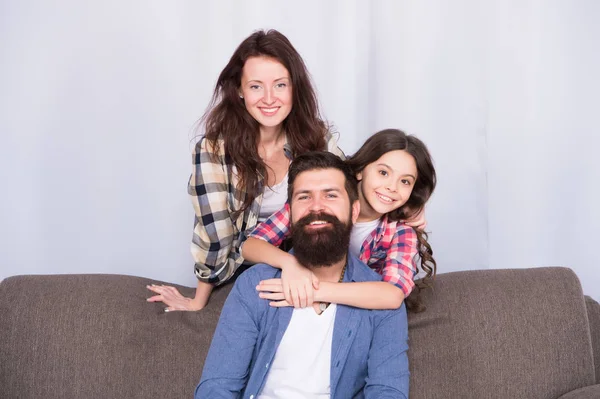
[(213, 187)]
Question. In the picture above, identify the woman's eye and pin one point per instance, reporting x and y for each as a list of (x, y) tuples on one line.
[(405, 182), (280, 85), (254, 87), (383, 173)]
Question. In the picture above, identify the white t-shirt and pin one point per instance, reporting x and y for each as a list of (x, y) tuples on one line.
[(274, 199), (360, 232), (301, 366)]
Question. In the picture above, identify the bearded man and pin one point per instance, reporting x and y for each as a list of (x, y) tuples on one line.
[(324, 351)]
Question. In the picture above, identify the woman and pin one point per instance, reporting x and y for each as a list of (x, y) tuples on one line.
[(263, 112)]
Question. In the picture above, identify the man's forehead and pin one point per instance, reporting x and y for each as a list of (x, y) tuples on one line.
[(319, 180)]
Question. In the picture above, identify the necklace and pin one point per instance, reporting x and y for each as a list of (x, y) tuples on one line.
[(324, 305)]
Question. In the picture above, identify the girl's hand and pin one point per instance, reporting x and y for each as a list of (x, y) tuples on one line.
[(418, 221), (272, 290), (296, 286), (171, 297)]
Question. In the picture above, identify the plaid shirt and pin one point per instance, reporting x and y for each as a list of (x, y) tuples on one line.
[(213, 187), (390, 249)]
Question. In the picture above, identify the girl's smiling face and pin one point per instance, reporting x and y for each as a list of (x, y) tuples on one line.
[(386, 184)]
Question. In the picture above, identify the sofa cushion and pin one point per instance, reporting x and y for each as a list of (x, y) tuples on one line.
[(501, 334), (95, 336), (591, 392)]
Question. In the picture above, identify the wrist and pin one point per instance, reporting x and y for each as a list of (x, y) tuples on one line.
[(321, 295), (285, 261)]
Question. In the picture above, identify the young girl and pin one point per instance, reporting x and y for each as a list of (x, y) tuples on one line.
[(396, 178)]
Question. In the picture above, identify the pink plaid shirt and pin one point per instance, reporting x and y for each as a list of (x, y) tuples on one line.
[(390, 249)]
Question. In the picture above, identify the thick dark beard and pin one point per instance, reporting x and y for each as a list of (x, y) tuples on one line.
[(323, 247)]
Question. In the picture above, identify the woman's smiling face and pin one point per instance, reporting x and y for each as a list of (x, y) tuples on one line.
[(266, 88)]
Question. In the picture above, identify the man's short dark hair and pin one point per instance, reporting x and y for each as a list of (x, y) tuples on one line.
[(316, 160)]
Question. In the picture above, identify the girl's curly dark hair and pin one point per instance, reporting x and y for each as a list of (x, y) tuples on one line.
[(391, 140)]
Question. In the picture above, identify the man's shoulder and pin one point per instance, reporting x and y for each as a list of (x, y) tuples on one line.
[(258, 272), (360, 271)]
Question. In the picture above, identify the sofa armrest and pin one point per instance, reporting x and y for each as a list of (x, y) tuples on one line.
[(593, 311), (591, 392)]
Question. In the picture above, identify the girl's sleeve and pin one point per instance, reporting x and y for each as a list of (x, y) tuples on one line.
[(275, 229), (212, 241), (400, 265)]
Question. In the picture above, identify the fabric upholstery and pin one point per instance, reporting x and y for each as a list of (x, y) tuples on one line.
[(591, 392), (95, 336), (501, 334), (526, 333), (593, 310)]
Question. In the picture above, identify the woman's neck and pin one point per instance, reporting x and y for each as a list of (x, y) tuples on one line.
[(271, 136), (271, 142)]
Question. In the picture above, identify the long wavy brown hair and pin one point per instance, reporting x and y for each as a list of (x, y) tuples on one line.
[(391, 140), (227, 118)]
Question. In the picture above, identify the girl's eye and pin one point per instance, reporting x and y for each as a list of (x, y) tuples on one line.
[(383, 172), (405, 182)]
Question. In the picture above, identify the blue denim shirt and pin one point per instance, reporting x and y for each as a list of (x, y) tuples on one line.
[(368, 355)]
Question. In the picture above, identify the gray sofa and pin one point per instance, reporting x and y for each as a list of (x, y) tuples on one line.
[(485, 334)]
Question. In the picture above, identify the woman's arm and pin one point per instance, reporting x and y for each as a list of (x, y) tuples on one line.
[(212, 247)]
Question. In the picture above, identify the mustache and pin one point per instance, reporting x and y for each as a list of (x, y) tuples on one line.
[(313, 217)]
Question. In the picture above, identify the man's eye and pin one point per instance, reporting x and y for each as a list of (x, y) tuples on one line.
[(332, 196), (302, 197)]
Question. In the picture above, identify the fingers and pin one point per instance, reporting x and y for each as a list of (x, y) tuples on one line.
[(315, 282), (270, 287), (286, 290), (279, 304), (274, 296), (155, 298), (308, 292)]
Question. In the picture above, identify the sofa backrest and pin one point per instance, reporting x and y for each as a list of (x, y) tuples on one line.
[(95, 336), (501, 334), (485, 334)]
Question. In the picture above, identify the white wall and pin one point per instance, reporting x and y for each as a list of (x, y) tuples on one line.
[(98, 102)]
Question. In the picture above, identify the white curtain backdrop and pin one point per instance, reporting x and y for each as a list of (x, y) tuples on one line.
[(98, 101)]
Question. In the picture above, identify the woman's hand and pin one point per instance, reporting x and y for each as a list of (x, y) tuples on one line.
[(296, 286), (418, 221), (171, 297)]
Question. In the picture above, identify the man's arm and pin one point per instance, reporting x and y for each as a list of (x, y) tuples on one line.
[(227, 364), (388, 375)]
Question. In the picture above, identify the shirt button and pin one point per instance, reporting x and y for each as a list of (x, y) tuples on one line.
[(251, 396), (267, 366)]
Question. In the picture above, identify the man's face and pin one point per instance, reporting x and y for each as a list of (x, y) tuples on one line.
[(322, 217)]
